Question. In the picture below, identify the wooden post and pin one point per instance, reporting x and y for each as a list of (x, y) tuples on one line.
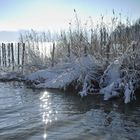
[(85, 50), (12, 51), (53, 51), (133, 46), (5, 56), (0, 56), (101, 41), (18, 53), (3, 62), (108, 52), (9, 61), (69, 50), (23, 53)]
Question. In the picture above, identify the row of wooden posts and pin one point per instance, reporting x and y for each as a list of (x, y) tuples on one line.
[(12, 55)]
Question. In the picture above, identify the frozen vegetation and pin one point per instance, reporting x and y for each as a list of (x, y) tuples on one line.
[(122, 76), (90, 59), (76, 74)]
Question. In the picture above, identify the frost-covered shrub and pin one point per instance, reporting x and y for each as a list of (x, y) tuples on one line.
[(125, 74)]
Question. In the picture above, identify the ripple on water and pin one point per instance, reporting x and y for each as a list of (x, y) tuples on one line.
[(53, 115)]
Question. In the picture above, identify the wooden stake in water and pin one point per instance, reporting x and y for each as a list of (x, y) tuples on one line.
[(23, 53), (85, 50), (3, 57), (53, 51), (9, 60), (18, 54), (5, 60), (0, 56), (69, 50), (12, 52)]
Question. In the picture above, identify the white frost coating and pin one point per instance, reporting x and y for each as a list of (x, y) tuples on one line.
[(11, 76), (127, 94), (109, 91), (114, 72), (111, 74), (84, 91), (42, 74), (121, 76), (110, 81), (59, 81), (62, 75)]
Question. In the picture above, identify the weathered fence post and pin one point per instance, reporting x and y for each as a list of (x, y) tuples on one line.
[(3, 54), (101, 42), (53, 51), (9, 61), (23, 53), (0, 56), (18, 53), (69, 50), (108, 52), (12, 51), (5, 61), (85, 50)]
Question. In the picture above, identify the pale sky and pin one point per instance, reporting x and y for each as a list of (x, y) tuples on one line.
[(56, 14)]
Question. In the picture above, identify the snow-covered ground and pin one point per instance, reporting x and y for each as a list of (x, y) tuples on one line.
[(8, 76), (110, 81), (120, 79), (63, 75)]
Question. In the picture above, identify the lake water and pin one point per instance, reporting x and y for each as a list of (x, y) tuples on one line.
[(51, 115)]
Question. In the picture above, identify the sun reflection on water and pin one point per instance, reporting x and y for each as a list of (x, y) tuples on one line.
[(45, 136), (48, 114)]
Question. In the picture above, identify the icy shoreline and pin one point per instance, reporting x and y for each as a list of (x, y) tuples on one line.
[(85, 75), (11, 76), (63, 75)]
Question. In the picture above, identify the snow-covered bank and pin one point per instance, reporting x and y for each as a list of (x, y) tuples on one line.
[(110, 82), (122, 77), (11, 76), (64, 75)]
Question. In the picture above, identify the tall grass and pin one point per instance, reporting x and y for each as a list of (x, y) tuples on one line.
[(105, 41)]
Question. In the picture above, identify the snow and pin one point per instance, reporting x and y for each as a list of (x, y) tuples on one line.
[(110, 81), (122, 77), (109, 91), (127, 94), (86, 74), (111, 74), (8, 76), (55, 80), (61, 76), (112, 84)]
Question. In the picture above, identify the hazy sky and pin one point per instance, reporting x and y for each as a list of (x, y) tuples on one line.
[(56, 14)]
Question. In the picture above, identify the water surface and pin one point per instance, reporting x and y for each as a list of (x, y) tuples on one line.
[(53, 115)]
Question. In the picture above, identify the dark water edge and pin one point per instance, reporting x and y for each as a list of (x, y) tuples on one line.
[(27, 114)]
